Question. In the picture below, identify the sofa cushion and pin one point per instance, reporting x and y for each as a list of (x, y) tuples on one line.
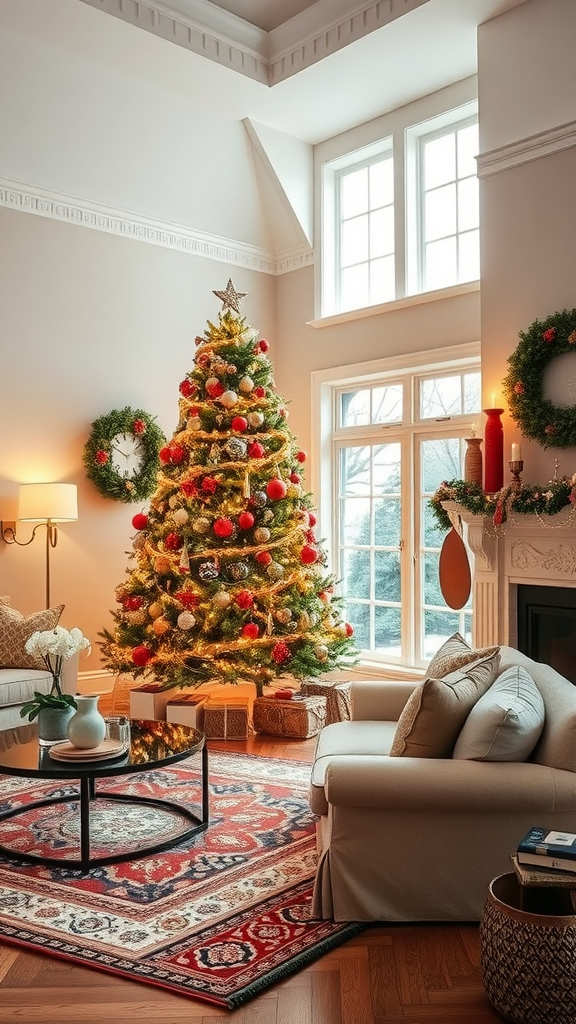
[(15, 629), (454, 654), (506, 722), (437, 709), (17, 685)]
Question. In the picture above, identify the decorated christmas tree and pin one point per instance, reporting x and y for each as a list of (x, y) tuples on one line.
[(227, 581)]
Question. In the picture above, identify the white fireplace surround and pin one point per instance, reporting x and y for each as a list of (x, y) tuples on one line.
[(526, 549)]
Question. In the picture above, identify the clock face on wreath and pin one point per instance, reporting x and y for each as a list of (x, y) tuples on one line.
[(127, 455)]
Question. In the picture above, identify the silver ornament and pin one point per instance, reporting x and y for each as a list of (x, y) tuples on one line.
[(229, 399), (186, 620), (321, 652), (275, 571), (236, 447), (180, 516), (267, 515), (283, 615), (201, 525), (262, 535), (222, 599), (238, 571), (208, 571), (255, 419), (246, 385), (136, 618), (259, 499)]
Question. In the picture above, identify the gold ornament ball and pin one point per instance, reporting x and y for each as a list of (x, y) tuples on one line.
[(161, 626), (261, 535), (321, 652), (201, 525), (304, 621), (180, 516), (222, 599), (161, 564), (194, 423), (283, 615), (155, 610), (136, 618)]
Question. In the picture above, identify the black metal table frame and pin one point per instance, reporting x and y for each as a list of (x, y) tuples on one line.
[(88, 793)]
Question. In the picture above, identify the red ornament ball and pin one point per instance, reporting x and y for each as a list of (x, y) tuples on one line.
[(209, 485), (239, 423), (133, 603), (173, 542), (244, 599), (264, 345), (245, 520), (223, 527), (308, 555), (164, 455), (256, 450), (312, 519), (186, 388), (139, 521), (276, 489), (214, 388), (141, 655), (301, 456), (251, 630), (281, 653), (259, 392), (177, 454), (264, 557), (348, 629), (295, 478)]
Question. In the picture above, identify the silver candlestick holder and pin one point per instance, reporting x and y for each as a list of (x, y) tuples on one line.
[(516, 468)]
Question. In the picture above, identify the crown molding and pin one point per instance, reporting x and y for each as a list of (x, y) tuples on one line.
[(267, 57), (19, 195), (553, 140)]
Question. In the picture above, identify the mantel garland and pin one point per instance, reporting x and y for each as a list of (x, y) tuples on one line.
[(552, 426), (97, 454), (547, 500)]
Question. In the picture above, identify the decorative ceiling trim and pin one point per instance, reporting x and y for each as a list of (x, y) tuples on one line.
[(267, 57), (554, 140), (18, 195)]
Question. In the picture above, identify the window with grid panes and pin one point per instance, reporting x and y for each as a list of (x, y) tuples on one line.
[(394, 441)]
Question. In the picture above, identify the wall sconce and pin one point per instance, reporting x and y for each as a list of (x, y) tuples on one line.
[(45, 504)]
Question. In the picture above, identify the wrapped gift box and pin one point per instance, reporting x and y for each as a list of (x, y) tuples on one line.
[(299, 717), (226, 718), (337, 698), (149, 701), (186, 709)]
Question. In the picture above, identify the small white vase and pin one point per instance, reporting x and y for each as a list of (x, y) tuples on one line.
[(87, 727)]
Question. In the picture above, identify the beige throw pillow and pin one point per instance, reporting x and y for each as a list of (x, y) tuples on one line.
[(15, 629), (454, 654), (435, 712), (505, 724)]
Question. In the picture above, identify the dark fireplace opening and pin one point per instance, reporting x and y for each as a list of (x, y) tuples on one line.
[(547, 626)]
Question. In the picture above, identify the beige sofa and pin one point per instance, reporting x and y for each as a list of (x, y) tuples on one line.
[(409, 838), (17, 686)]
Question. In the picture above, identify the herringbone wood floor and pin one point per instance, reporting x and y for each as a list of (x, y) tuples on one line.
[(400, 974)]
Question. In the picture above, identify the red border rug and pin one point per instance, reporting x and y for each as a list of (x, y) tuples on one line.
[(219, 918)]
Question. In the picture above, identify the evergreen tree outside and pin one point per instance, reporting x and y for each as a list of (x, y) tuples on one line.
[(229, 583)]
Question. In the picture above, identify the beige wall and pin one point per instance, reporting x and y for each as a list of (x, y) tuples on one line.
[(91, 323), (526, 92)]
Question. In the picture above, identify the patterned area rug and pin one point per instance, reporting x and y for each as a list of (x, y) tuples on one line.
[(219, 918)]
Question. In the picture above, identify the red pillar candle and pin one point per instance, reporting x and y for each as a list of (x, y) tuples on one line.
[(493, 451)]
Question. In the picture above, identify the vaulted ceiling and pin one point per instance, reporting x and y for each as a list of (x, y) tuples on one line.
[(314, 68)]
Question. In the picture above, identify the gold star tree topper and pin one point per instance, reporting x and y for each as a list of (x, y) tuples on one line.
[(231, 299)]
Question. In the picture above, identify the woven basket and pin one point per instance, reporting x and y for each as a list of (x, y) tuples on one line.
[(528, 958), (298, 719)]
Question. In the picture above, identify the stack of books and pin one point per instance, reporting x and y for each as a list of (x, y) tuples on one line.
[(551, 850)]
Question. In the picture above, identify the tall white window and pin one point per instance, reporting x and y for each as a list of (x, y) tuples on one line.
[(444, 248), (394, 440), (401, 216)]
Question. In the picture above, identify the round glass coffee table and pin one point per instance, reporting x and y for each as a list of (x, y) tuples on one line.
[(152, 745)]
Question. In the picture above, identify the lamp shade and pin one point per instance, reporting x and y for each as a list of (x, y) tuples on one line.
[(58, 502)]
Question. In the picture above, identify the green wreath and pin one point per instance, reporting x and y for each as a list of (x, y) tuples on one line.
[(537, 417), (129, 434)]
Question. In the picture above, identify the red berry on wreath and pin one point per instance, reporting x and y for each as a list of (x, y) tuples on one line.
[(308, 555), (141, 655), (276, 489), (102, 457), (139, 521), (239, 423), (264, 557), (245, 520), (223, 527), (244, 599), (301, 456), (250, 630), (256, 450)]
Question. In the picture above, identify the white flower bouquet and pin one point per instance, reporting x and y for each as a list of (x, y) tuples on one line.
[(53, 646)]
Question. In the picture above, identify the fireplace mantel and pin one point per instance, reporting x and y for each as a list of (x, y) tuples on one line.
[(531, 549)]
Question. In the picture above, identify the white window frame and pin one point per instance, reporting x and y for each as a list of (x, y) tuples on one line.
[(415, 136), (326, 386)]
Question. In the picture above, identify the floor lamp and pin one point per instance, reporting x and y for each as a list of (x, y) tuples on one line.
[(46, 505)]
